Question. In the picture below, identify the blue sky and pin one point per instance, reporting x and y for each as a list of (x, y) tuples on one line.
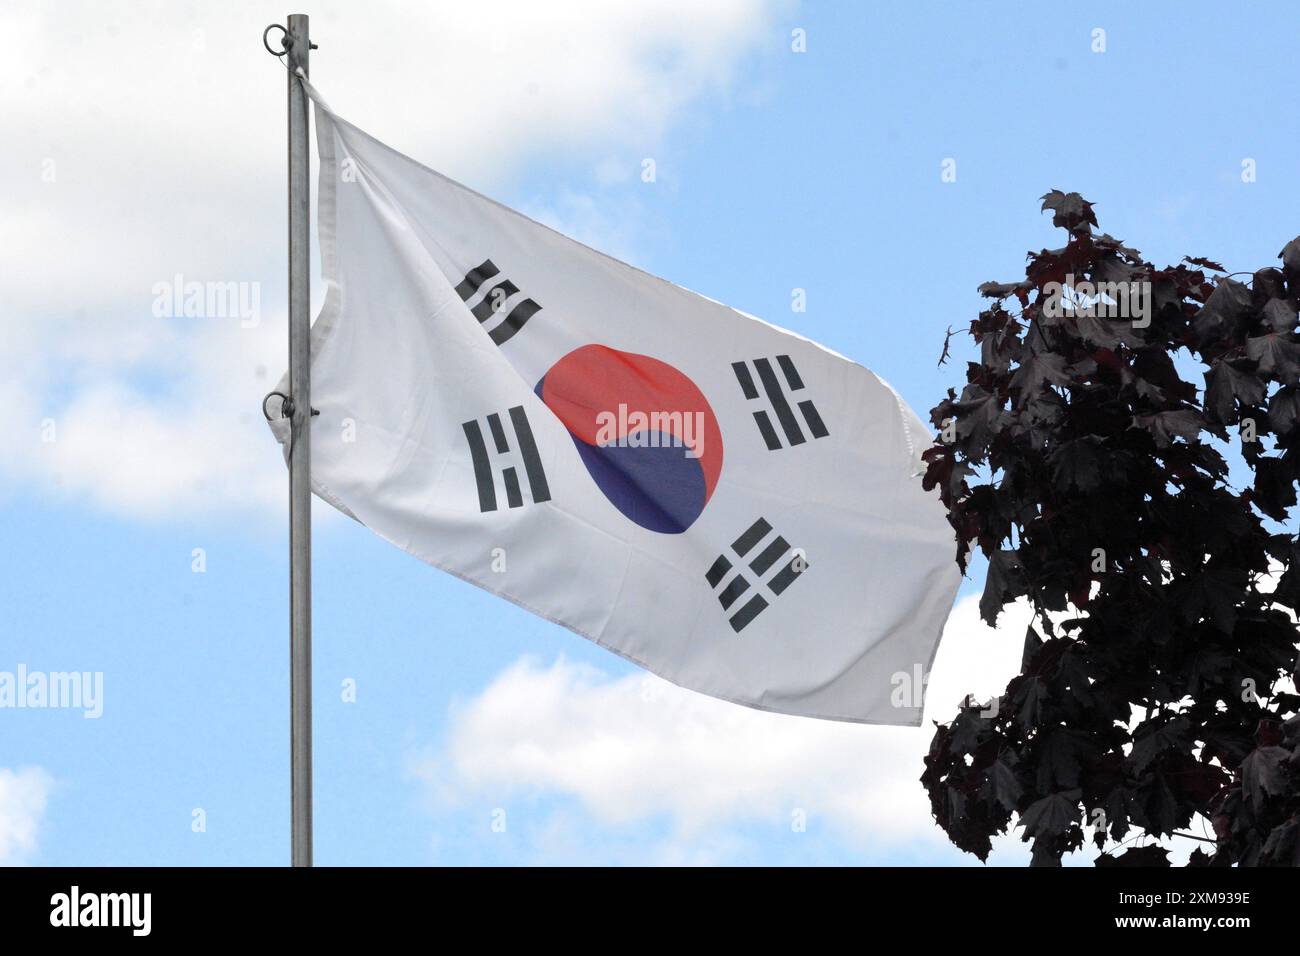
[(479, 734)]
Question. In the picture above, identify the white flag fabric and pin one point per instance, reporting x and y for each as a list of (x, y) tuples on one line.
[(731, 506)]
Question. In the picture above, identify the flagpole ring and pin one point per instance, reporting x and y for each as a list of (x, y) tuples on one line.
[(284, 39), (286, 405)]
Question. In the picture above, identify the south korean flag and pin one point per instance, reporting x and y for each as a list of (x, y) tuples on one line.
[(720, 501)]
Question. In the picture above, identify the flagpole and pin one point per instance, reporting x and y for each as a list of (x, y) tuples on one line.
[(297, 47)]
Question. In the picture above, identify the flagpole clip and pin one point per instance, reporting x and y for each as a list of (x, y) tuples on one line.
[(287, 406), (286, 41)]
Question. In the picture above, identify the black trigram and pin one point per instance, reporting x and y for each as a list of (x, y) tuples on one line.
[(752, 577), (776, 398), (489, 294), (525, 452)]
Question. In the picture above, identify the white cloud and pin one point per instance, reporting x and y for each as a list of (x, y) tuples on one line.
[(615, 226), (173, 425), (151, 144), (23, 795), (636, 748)]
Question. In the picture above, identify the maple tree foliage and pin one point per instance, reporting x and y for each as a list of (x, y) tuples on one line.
[(1158, 674)]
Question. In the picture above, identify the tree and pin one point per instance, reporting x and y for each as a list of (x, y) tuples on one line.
[(1153, 684)]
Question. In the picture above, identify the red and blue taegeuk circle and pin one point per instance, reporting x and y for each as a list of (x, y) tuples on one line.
[(659, 467)]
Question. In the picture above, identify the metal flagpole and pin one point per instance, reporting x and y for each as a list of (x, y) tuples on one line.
[(297, 47)]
